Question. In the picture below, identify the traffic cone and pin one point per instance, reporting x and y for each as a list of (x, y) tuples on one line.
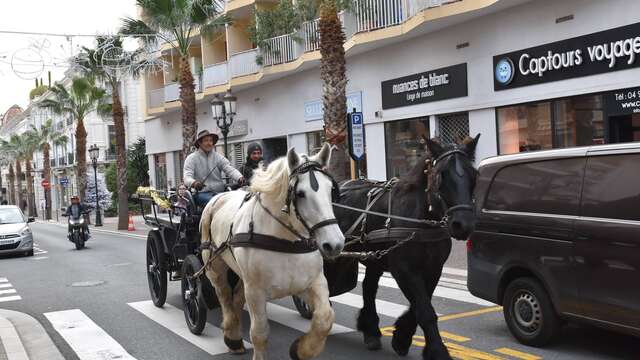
[(131, 227)]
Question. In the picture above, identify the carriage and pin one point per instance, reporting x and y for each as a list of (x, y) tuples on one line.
[(173, 254)]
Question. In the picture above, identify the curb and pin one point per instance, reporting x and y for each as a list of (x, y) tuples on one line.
[(96, 229), (27, 337)]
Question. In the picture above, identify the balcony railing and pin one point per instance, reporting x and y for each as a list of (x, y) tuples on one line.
[(244, 63), (311, 35), (61, 161), (279, 50), (216, 74), (378, 14), (156, 98), (171, 92), (53, 162)]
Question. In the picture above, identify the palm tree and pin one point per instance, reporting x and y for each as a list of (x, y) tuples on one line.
[(89, 62), (176, 22), (334, 78), (12, 181), (15, 146), (43, 138), (82, 98), (7, 156)]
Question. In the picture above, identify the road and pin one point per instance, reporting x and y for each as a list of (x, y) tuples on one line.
[(94, 303)]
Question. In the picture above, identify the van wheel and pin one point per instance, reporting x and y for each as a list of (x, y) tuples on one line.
[(529, 312)]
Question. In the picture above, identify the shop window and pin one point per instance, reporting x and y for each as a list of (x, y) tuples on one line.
[(453, 128), (160, 161), (315, 140), (405, 145), (524, 128), (578, 121)]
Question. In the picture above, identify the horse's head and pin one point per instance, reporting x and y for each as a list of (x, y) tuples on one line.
[(311, 193), (452, 179)]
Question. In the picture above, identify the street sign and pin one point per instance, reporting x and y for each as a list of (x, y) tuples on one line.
[(45, 183), (355, 124), (64, 181)]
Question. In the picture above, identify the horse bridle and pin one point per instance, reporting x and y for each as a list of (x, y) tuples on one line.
[(435, 180), (310, 167)]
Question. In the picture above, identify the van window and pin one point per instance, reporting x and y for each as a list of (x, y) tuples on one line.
[(612, 187), (549, 187)]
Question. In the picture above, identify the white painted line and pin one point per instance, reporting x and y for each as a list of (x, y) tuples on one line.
[(40, 258), (454, 281), (87, 339), (4, 286), (10, 291), (441, 291), (382, 307), (211, 340), (10, 298), (454, 271), (11, 340), (3, 280), (452, 285), (292, 319)]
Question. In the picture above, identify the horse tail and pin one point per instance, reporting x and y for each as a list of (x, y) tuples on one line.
[(205, 222)]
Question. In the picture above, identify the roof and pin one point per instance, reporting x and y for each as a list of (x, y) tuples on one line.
[(10, 114)]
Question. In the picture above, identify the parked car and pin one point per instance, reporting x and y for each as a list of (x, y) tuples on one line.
[(15, 234), (558, 238)]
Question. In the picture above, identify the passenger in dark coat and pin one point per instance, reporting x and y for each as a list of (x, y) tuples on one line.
[(254, 157)]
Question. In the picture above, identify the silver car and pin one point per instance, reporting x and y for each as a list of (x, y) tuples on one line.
[(15, 234)]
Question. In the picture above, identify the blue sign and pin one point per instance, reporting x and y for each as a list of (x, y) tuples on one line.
[(64, 181), (355, 122), (504, 71), (313, 109)]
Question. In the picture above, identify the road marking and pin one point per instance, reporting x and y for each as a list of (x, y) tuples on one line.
[(40, 258), (454, 271), (292, 319), (454, 337), (382, 307), (211, 340), (10, 298), (10, 291), (440, 291), (3, 280), (470, 313), (462, 352), (88, 340), (11, 341), (7, 285), (419, 340), (454, 281), (517, 354)]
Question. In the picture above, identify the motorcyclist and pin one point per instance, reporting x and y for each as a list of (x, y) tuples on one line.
[(75, 211), (254, 157), (204, 167)]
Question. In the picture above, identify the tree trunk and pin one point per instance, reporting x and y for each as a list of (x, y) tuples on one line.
[(46, 168), (19, 183), (81, 159), (30, 194), (12, 189), (334, 79), (188, 101), (121, 160)]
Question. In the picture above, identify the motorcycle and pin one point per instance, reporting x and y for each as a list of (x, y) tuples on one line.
[(77, 233)]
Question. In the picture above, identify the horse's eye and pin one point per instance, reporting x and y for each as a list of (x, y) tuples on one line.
[(300, 194)]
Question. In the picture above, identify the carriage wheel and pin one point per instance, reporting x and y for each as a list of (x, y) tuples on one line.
[(304, 309), (193, 304), (156, 272)]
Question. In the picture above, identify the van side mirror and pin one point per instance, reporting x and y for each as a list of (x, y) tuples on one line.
[(30, 220)]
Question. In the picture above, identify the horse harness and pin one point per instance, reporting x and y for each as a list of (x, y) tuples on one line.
[(425, 231)]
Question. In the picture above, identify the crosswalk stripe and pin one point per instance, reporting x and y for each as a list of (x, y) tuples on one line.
[(3, 280), (211, 340), (292, 319), (454, 271), (385, 308), (441, 291), (88, 340), (9, 291), (4, 286), (10, 298)]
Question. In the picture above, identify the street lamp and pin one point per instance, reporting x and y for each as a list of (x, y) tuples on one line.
[(94, 151), (223, 110)]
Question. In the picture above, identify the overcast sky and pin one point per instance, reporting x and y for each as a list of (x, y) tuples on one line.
[(28, 53)]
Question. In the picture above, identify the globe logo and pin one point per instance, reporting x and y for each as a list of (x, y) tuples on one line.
[(504, 71)]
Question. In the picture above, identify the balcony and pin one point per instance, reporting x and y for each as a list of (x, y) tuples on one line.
[(53, 162), (171, 92), (156, 98), (61, 161), (379, 14), (310, 35), (279, 50), (216, 74), (244, 63), (70, 158)]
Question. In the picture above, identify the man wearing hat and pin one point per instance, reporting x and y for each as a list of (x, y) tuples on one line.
[(204, 167)]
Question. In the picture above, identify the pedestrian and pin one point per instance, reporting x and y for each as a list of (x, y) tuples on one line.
[(254, 158), (181, 203), (203, 169)]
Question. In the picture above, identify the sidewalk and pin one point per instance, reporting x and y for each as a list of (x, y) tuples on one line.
[(110, 225), (22, 338)]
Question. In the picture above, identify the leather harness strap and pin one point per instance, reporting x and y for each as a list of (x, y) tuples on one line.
[(272, 243)]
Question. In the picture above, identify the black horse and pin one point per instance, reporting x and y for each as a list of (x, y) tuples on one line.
[(440, 187)]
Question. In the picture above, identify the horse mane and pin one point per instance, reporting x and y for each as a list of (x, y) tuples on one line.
[(273, 181), (416, 178)]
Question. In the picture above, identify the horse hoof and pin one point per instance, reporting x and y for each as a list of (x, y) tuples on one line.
[(372, 343), (235, 346), (400, 346), (293, 350), (436, 353)]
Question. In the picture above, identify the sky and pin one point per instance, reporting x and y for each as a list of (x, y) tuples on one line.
[(25, 57)]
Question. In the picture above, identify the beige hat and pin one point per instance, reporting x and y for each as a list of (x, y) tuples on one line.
[(204, 133)]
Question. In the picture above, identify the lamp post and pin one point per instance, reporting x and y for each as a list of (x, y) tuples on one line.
[(223, 110), (94, 151)]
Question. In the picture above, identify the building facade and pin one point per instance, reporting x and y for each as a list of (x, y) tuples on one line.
[(526, 75)]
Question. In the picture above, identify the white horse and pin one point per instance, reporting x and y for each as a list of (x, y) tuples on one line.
[(291, 204)]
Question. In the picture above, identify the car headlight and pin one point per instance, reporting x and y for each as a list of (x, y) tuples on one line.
[(26, 231)]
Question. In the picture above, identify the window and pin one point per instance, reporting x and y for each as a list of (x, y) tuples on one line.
[(315, 140), (160, 161), (524, 128), (178, 163), (611, 187), (579, 121), (547, 187), (404, 141), (111, 150)]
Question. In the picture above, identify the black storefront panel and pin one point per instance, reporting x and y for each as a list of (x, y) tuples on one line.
[(597, 53)]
